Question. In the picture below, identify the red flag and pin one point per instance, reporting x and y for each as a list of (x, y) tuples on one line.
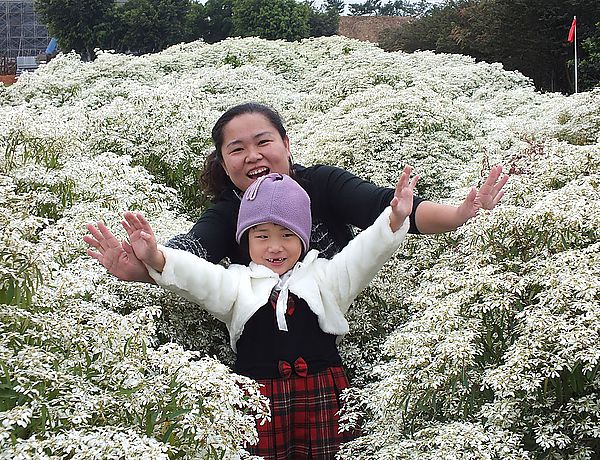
[(572, 30)]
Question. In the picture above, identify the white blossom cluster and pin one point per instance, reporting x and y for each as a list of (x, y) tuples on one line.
[(479, 344)]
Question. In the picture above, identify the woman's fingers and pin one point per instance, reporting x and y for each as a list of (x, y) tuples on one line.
[(92, 242), (102, 239), (96, 255)]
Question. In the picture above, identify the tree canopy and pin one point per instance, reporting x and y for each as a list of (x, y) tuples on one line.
[(271, 19), (525, 35), (390, 8), (144, 26), (80, 25)]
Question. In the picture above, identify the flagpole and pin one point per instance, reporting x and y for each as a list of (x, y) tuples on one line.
[(575, 47)]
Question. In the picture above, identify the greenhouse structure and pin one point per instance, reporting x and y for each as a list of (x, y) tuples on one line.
[(21, 32)]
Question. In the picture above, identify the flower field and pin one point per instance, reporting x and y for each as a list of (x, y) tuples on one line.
[(483, 343)]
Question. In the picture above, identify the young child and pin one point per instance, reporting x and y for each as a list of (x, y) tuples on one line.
[(286, 309)]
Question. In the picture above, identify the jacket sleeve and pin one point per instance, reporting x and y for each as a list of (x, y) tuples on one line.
[(352, 269), (213, 236), (211, 286)]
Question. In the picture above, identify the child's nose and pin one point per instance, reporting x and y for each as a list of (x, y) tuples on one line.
[(275, 246)]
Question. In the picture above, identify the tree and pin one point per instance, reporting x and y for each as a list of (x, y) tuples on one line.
[(589, 68), (271, 19), (391, 8), (196, 23), (368, 8), (337, 5), (80, 25), (525, 35), (219, 23), (324, 21), (151, 25)]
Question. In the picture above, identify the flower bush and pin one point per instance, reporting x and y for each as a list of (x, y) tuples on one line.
[(482, 343)]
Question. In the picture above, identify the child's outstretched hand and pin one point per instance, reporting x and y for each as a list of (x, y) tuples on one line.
[(403, 199), (142, 240)]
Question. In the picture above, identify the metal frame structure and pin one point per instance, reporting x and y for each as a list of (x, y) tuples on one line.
[(21, 31)]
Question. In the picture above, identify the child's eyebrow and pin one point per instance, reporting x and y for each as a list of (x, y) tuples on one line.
[(259, 230)]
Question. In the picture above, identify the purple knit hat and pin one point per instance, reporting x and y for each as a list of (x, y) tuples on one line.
[(279, 199)]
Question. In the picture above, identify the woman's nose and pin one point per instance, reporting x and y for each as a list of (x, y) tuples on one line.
[(253, 155)]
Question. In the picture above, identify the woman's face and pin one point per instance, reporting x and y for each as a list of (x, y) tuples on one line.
[(252, 147)]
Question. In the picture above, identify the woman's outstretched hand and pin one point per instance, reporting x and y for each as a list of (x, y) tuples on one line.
[(487, 197), (402, 202), (117, 257)]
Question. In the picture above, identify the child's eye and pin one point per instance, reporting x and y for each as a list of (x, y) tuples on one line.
[(264, 141), (288, 235)]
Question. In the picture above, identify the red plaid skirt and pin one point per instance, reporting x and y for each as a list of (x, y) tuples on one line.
[(304, 420)]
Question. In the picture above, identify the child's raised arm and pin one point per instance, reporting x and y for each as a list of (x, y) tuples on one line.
[(142, 240), (403, 199)]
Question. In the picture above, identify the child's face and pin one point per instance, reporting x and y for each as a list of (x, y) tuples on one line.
[(274, 246)]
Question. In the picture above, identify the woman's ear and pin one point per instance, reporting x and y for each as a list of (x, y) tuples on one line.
[(286, 143), (222, 163)]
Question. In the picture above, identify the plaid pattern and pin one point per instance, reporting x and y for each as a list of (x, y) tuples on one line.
[(291, 303), (304, 421)]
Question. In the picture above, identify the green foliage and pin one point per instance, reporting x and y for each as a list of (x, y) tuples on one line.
[(337, 5), (589, 67), (271, 19), (218, 16), (196, 23), (525, 35), (369, 7), (390, 8), (324, 22), (80, 25), (20, 277), (146, 26)]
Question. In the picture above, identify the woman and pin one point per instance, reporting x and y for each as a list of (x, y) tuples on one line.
[(250, 141)]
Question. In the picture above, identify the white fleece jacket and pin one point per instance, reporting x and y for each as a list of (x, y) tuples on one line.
[(235, 293)]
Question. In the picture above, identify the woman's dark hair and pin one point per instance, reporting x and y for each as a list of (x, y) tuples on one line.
[(213, 178)]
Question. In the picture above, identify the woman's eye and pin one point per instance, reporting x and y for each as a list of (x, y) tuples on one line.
[(264, 142)]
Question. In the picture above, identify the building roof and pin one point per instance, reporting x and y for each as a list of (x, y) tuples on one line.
[(368, 28)]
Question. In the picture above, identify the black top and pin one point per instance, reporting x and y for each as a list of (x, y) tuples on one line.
[(339, 200), (262, 345)]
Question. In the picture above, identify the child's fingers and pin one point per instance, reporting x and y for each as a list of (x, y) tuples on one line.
[(401, 184), (413, 183), (404, 180)]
